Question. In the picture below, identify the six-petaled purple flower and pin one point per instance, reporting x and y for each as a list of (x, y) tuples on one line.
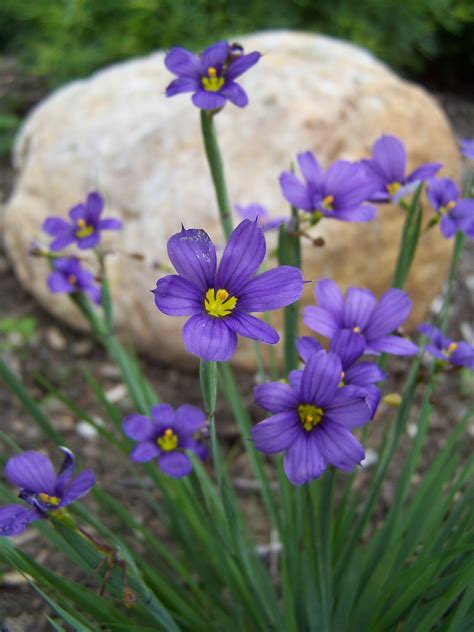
[(312, 418), (256, 211), (361, 313), (349, 347), (454, 213), (338, 193), (387, 166), (44, 491), (219, 300), (467, 148), (456, 353), (68, 276), (166, 436), (211, 76), (85, 226)]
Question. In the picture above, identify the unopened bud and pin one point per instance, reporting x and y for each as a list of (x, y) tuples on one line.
[(392, 399)]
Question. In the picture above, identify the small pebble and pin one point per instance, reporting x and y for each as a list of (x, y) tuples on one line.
[(116, 393), (82, 347), (412, 430), (371, 458), (55, 339)]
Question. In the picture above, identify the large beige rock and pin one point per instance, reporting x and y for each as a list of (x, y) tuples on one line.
[(117, 133)]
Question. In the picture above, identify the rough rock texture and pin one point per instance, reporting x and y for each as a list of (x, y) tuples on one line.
[(117, 133)]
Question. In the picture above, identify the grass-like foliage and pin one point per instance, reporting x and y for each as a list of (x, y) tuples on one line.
[(336, 561)]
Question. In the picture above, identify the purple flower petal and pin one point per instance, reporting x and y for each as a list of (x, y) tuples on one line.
[(94, 207), (276, 397), (448, 227), (359, 307), (321, 377), (242, 257), (183, 63), (295, 191), (62, 241), (79, 487), (235, 94), (441, 191), (189, 419), (176, 296), (31, 471), (199, 448), (423, 172), (215, 55), (144, 451), (273, 289), (390, 312), (182, 84), (175, 464), (58, 283), (394, 345), (364, 373), (294, 378), (348, 407), (463, 355), (241, 65), (78, 212), (56, 225), (14, 519), (304, 462), (138, 427), (208, 100), (348, 345), (110, 223), (277, 433), (251, 327), (193, 255), (363, 213), (320, 320), (209, 338), (66, 471), (89, 242), (163, 415), (310, 168), (306, 346), (339, 447), (330, 298), (390, 155), (94, 293)]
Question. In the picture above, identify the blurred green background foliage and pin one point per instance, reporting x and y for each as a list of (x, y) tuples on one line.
[(65, 39)]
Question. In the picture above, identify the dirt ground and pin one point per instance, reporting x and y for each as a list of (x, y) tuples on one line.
[(51, 349)]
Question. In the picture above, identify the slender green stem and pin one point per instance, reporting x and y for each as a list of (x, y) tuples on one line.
[(216, 165), (208, 380), (409, 241)]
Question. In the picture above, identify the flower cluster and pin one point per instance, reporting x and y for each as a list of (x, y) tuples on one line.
[(43, 491), (219, 299), (69, 276), (211, 76), (442, 348), (453, 212), (166, 436)]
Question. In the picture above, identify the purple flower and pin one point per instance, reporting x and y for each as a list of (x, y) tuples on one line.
[(456, 353), (339, 193), (349, 347), (211, 76), (387, 168), (166, 436), (219, 300), (85, 226), (43, 490), (69, 276), (467, 148), (454, 213), (256, 211), (361, 313), (312, 418)]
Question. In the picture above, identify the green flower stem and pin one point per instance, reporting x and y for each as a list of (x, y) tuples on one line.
[(409, 241), (216, 166), (208, 380), (289, 253)]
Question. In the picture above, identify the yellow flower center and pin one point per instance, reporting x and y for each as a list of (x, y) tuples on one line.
[(356, 329), (444, 209), (168, 441), (212, 83), (310, 415), (328, 202), (49, 500), (83, 229), (219, 303), (448, 352), (393, 187), (72, 279)]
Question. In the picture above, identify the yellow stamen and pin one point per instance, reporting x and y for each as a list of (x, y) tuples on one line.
[(72, 279), (219, 303), (448, 352), (357, 329), (444, 209), (83, 229), (168, 441), (310, 415), (328, 201), (393, 187), (212, 83), (49, 500)]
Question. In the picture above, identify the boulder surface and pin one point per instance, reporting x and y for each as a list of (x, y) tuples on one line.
[(117, 133)]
